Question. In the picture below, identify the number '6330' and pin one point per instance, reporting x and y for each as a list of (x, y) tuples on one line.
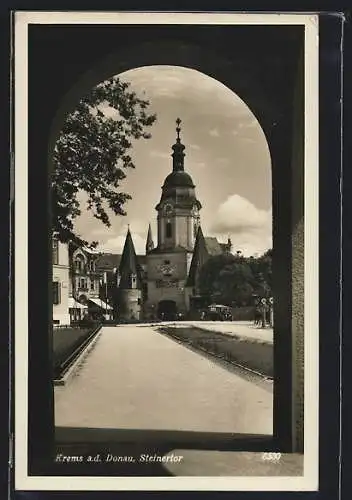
[(271, 456)]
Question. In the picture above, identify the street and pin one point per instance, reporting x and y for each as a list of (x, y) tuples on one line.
[(136, 378)]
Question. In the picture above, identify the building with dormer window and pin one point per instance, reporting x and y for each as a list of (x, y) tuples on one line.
[(86, 283)]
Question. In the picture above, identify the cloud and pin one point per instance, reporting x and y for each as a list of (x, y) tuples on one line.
[(197, 164), (159, 154), (115, 245), (249, 226), (115, 239), (109, 111), (214, 132), (189, 84), (195, 147), (222, 162), (248, 140), (237, 214)]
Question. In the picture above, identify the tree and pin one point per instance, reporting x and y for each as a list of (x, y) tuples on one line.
[(262, 272), (92, 154), (227, 277), (234, 279)]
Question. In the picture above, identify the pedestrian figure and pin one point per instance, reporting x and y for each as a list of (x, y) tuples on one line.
[(257, 316)]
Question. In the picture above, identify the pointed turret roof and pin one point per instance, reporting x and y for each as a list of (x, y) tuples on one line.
[(204, 248), (128, 264), (200, 256), (150, 243)]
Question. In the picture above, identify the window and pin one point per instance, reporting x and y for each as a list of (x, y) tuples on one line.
[(56, 292), (55, 251), (78, 265), (83, 283), (92, 284), (168, 230), (134, 281)]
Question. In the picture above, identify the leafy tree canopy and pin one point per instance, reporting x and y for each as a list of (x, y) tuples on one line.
[(234, 279), (92, 154)]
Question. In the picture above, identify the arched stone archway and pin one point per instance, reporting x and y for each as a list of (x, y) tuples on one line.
[(167, 310), (267, 76)]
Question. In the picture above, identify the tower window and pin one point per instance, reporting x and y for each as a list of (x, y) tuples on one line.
[(168, 230)]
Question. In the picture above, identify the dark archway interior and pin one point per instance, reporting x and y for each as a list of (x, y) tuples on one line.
[(167, 310), (264, 66)]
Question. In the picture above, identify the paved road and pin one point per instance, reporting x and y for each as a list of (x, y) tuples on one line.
[(136, 378)]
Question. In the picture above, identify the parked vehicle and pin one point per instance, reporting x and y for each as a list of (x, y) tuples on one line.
[(219, 312)]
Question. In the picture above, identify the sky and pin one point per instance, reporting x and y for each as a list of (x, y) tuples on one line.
[(227, 157)]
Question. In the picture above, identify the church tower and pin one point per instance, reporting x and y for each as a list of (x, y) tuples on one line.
[(129, 289), (178, 221), (178, 209)]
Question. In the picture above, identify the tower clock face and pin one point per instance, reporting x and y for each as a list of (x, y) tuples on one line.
[(168, 209)]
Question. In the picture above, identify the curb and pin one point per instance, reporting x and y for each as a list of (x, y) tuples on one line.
[(72, 370)]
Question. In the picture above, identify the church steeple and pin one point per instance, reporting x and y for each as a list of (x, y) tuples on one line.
[(150, 243), (128, 269), (178, 154), (199, 258)]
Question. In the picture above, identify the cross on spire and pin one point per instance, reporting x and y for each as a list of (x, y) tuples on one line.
[(178, 128)]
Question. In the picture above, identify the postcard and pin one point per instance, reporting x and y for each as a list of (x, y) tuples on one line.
[(166, 173)]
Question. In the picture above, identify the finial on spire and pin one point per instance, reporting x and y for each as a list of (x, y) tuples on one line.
[(178, 128), (178, 149)]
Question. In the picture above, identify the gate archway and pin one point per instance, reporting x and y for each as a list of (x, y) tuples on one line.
[(268, 77), (167, 310)]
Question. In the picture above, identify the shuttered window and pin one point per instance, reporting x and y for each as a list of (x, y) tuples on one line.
[(56, 292), (55, 251)]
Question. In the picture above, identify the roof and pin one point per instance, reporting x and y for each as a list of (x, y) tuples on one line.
[(200, 256), (150, 243), (178, 179), (204, 248), (176, 249), (213, 246), (111, 261), (128, 264)]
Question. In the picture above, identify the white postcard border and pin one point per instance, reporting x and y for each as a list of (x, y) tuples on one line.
[(309, 481)]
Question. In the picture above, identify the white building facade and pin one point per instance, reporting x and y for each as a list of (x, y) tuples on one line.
[(60, 283)]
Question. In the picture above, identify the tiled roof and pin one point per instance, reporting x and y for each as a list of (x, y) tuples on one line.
[(170, 250), (213, 246), (109, 261)]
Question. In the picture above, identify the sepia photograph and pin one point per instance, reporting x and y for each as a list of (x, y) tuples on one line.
[(175, 315)]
